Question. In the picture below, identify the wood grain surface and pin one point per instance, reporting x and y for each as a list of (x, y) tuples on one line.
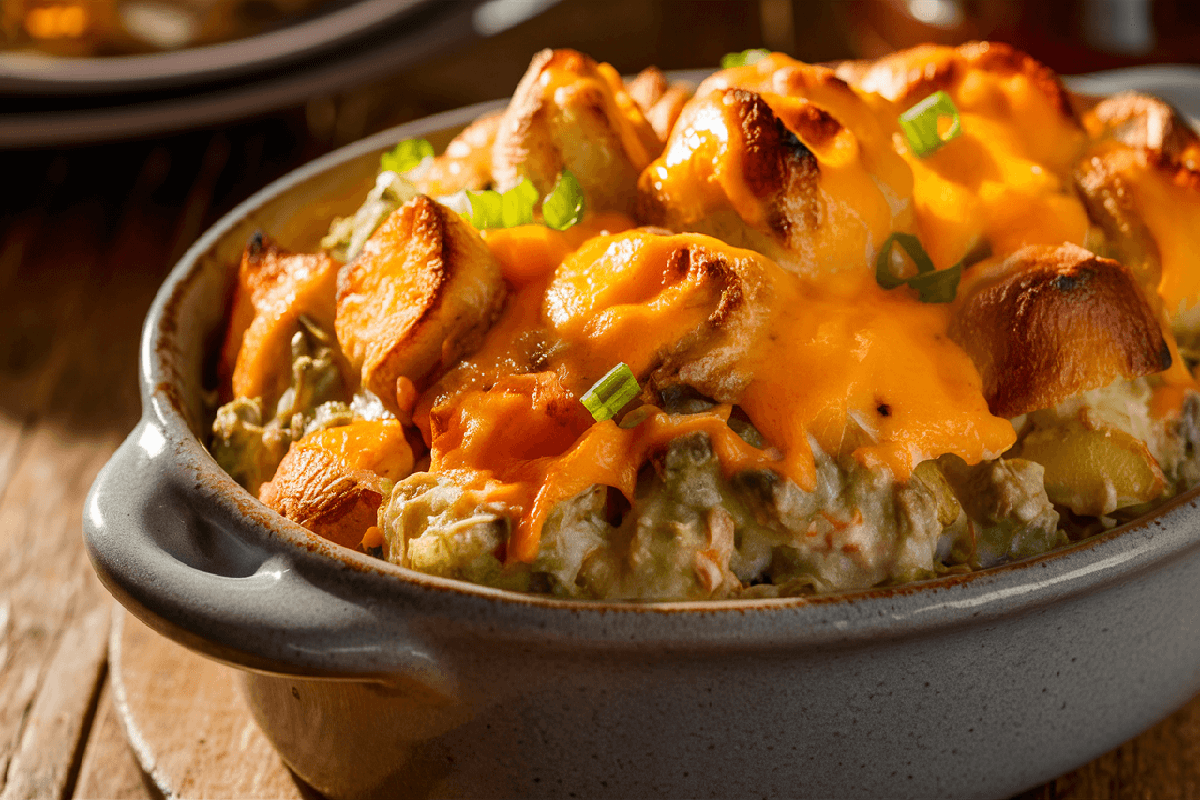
[(86, 236)]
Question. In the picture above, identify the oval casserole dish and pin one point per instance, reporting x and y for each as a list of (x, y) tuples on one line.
[(376, 681)]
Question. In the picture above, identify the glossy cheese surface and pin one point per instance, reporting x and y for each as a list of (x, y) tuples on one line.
[(870, 374)]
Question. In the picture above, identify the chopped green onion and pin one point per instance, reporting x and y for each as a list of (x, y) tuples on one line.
[(563, 207), (744, 58), (487, 209), (932, 285), (939, 286), (516, 207), (611, 393), (922, 124), (406, 155), (883, 263), (490, 209)]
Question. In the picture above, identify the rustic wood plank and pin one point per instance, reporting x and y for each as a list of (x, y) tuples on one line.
[(110, 771), (188, 722), (58, 718), (69, 381)]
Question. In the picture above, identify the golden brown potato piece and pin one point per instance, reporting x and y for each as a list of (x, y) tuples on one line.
[(675, 309), (1049, 323), (1139, 120), (466, 162), (782, 177), (778, 74), (659, 99), (569, 112), (1141, 187), (331, 480), (908, 76), (274, 288), (1093, 471), (1005, 182), (419, 296)]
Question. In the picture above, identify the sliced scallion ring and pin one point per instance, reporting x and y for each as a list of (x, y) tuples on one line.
[(611, 393), (931, 284), (883, 262), (931, 123), (939, 286)]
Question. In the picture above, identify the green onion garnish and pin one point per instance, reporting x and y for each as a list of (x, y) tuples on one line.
[(931, 123), (883, 263), (487, 209), (744, 58), (563, 207), (611, 393), (932, 285), (516, 205), (490, 209), (939, 286), (406, 155)]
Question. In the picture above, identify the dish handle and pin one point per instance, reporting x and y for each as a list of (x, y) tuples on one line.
[(177, 554)]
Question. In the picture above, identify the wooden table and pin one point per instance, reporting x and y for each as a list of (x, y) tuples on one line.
[(86, 236)]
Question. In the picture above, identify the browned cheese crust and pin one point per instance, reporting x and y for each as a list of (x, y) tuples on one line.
[(1136, 138), (315, 488), (911, 75), (418, 298), (778, 169), (1050, 323), (734, 294)]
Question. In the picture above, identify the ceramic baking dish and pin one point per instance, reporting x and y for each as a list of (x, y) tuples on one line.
[(375, 681)]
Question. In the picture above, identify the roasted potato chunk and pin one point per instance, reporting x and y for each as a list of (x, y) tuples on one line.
[(1141, 121), (1140, 182), (778, 175), (466, 162), (1005, 182), (1049, 323), (421, 295), (331, 481), (659, 99), (569, 112), (982, 75), (1093, 471), (708, 309), (274, 289)]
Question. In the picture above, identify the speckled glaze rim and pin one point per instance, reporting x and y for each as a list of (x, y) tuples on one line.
[(195, 555)]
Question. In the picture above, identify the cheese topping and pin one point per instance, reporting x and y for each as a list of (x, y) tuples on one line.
[(870, 374)]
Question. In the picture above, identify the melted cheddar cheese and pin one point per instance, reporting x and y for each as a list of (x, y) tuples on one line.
[(871, 374), (805, 402)]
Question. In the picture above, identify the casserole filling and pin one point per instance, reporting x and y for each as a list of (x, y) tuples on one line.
[(799, 330)]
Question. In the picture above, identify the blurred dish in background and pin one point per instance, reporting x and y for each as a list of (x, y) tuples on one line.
[(126, 27), (50, 101), (92, 46)]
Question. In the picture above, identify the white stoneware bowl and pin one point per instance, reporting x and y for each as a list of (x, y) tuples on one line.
[(374, 681)]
